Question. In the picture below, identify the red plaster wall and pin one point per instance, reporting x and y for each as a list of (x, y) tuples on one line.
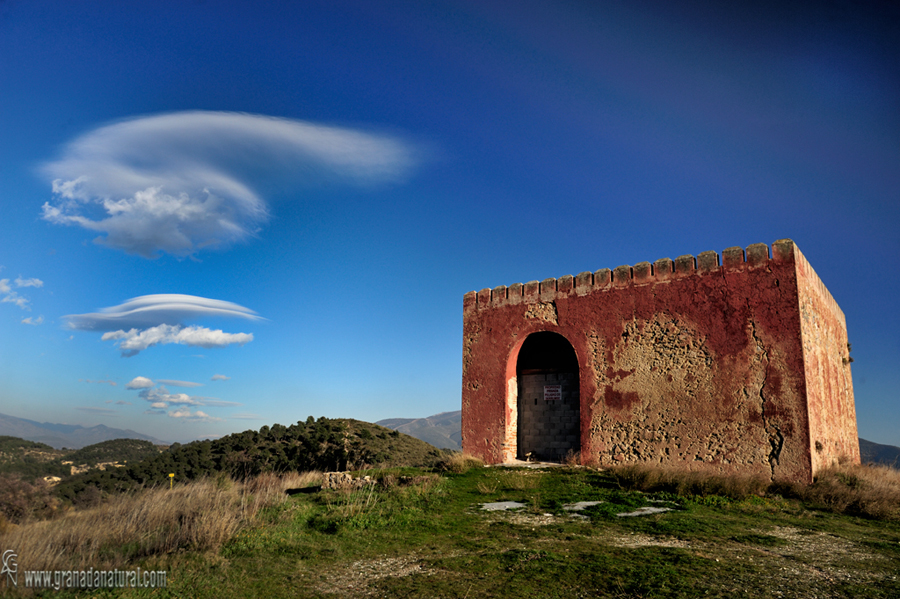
[(826, 358), (687, 362)]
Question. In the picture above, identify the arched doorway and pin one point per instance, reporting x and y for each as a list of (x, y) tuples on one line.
[(549, 412)]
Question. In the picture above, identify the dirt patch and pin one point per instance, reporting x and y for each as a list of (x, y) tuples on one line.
[(635, 540), (356, 578)]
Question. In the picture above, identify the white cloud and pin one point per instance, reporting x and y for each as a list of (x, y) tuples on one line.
[(8, 296), (11, 297), (152, 310), (161, 395), (134, 341), (20, 282), (220, 377), (174, 383), (139, 382), (34, 321), (186, 414), (179, 182)]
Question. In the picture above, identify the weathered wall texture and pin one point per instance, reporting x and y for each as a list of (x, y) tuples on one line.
[(737, 366)]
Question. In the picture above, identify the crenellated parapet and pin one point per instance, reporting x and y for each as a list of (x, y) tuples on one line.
[(732, 259)]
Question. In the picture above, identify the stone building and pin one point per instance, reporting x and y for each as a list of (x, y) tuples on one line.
[(738, 365)]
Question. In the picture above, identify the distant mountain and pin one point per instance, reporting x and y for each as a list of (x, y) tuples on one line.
[(879, 454), (442, 430), (72, 436)]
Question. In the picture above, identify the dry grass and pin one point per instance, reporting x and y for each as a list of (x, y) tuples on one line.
[(199, 516), (863, 490), (648, 478), (572, 459), (872, 491), (458, 462), (521, 480)]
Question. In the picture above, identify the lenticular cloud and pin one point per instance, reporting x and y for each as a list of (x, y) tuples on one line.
[(176, 183), (149, 320), (151, 310)]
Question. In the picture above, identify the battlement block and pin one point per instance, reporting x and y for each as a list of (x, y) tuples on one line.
[(602, 278), (498, 296), (733, 258), (532, 292), (757, 254), (707, 261), (565, 285), (469, 301), (664, 269), (548, 290), (514, 293), (583, 283), (642, 272), (684, 265), (621, 275), (783, 251), (484, 298)]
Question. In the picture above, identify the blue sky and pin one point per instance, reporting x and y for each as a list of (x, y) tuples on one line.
[(219, 215)]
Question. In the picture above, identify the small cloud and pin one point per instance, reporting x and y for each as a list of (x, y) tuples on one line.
[(245, 416), (20, 282), (159, 405), (33, 321), (220, 377), (139, 382), (8, 296), (161, 395), (198, 416), (134, 341), (103, 411), (174, 383), (155, 412), (122, 402)]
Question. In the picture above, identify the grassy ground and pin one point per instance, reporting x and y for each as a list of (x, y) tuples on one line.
[(417, 534)]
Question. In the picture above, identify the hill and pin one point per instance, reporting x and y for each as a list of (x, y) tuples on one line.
[(876, 453), (322, 444), (73, 436), (29, 459), (441, 430)]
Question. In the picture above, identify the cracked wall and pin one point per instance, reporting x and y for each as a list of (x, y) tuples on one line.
[(731, 366)]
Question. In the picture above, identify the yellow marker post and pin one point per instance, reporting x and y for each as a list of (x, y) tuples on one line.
[(171, 479)]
